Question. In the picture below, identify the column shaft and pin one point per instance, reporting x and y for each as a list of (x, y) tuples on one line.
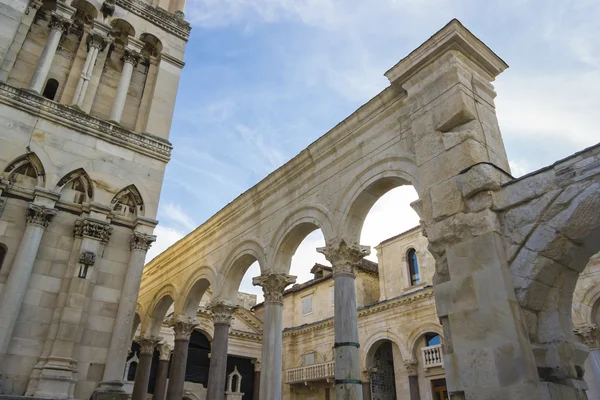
[(217, 375), (122, 88), (142, 377), (121, 335), (161, 380), (43, 67), (16, 285), (86, 74), (178, 367), (413, 384)]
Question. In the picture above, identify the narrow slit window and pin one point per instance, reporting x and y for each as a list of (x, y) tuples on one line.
[(50, 89), (413, 267)]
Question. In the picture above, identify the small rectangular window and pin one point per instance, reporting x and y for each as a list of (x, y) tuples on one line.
[(309, 359), (307, 304)]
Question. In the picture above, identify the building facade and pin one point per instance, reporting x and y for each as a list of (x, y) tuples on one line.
[(87, 93)]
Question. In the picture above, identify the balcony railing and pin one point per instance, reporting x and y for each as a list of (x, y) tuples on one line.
[(313, 372), (433, 356)]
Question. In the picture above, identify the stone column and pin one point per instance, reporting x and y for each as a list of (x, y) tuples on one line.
[(413, 378), (160, 389), (217, 375), (96, 43), (59, 24), (343, 257), (256, 391), (589, 336), (183, 330), (130, 60), (271, 359), (366, 385), (118, 349), (142, 373), (38, 218)]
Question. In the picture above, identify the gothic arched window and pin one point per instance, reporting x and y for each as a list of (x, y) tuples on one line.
[(50, 89), (413, 267)]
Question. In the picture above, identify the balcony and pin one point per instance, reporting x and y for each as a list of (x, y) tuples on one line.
[(315, 372), (432, 356)]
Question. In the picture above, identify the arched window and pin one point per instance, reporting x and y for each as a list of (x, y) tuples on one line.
[(413, 267), (50, 89), (2, 254), (431, 339)]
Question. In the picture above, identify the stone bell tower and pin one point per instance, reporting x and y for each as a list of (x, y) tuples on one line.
[(87, 94)]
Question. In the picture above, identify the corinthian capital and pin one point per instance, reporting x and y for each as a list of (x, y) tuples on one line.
[(130, 56), (344, 256), (183, 328), (222, 311), (411, 365), (148, 343), (273, 285), (96, 40), (588, 335), (59, 22), (141, 241), (164, 352), (93, 229), (40, 215)]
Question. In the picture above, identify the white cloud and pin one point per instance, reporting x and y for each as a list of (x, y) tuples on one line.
[(165, 237), (519, 167), (174, 213)]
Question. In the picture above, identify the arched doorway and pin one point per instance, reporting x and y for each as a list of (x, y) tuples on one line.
[(383, 377)]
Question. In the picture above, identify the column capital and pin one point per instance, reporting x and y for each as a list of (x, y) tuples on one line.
[(164, 351), (344, 256), (273, 285), (147, 344), (222, 311), (131, 57), (411, 365), (59, 22), (183, 328), (141, 241), (40, 215), (588, 335), (97, 40), (93, 229)]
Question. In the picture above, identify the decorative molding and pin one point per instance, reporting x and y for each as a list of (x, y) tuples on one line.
[(411, 365), (87, 258), (141, 241), (40, 215), (171, 23), (343, 256), (183, 328), (588, 335), (273, 285), (93, 229), (59, 22), (222, 311), (147, 344), (164, 351), (245, 335), (79, 121), (250, 319)]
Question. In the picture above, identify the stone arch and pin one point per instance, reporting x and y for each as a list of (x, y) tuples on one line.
[(121, 30), (292, 231), (157, 311), (545, 272), (195, 288), (128, 203), (368, 187), (88, 9), (30, 168), (76, 181), (152, 45), (236, 264), (417, 333), (375, 340)]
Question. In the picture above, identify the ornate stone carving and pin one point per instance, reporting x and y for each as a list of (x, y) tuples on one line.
[(343, 256), (147, 343), (141, 241), (70, 117), (131, 57), (164, 352), (222, 311), (87, 258), (93, 229), (588, 335), (411, 365), (40, 215), (96, 40), (183, 328), (169, 22), (59, 22), (273, 285)]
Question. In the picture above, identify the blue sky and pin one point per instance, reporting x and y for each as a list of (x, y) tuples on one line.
[(265, 78)]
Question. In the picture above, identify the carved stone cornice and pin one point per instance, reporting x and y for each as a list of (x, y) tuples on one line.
[(250, 319), (147, 344), (60, 23), (589, 335), (222, 311), (183, 328), (164, 351), (40, 215), (273, 285), (343, 256), (255, 337), (411, 365), (93, 229), (79, 121), (171, 23), (141, 241)]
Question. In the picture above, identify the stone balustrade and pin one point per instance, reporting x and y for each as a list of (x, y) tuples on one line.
[(313, 372), (432, 356)]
